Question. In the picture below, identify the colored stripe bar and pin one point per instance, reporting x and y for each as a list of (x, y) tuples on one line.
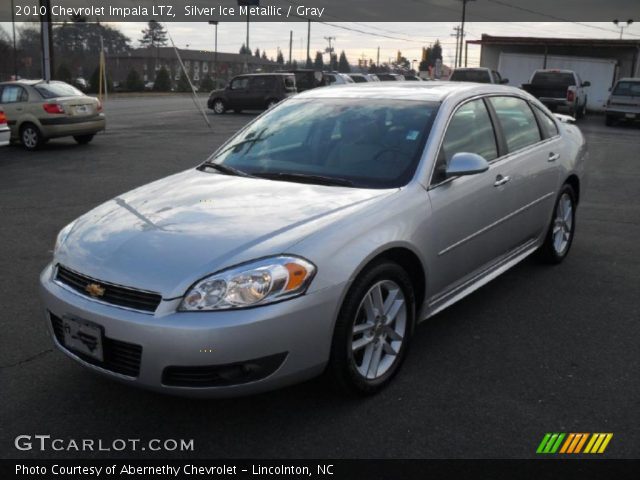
[(550, 443), (591, 442), (581, 443), (543, 443), (556, 445), (606, 441), (567, 443)]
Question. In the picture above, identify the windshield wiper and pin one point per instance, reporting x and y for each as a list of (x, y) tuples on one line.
[(306, 178), (226, 169)]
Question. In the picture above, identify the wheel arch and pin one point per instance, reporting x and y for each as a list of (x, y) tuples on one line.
[(574, 181)]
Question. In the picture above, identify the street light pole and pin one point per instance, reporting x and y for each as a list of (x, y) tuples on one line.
[(622, 27), (15, 50), (215, 52)]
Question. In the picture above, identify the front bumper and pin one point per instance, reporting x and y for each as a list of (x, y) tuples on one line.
[(295, 334)]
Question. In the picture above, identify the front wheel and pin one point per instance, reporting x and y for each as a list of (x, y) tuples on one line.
[(83, 139), (373, 329), (561, 231)]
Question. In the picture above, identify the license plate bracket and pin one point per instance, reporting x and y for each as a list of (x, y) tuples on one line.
[(83, 337)]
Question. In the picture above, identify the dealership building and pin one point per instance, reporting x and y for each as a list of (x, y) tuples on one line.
[(599, 61), (198, 63)]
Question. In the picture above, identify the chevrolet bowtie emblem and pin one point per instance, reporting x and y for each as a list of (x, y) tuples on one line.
[(94, 290)]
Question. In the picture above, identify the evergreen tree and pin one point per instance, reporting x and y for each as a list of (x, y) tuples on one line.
[(343, 63), (294, 65), (333, 65), (264, 55), (94, 82), (257, 53), (436, 53), (183, 83), (154, 35), (280, 59), (318, 64), (244, 50), (134, 82), (163, 81), (309, 63), (63, 73)]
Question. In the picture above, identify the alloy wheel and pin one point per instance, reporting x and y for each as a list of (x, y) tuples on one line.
[(218, 106), (379, 329), (563, 224), (30, 137)]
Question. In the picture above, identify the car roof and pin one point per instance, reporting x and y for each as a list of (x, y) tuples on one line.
[(22, 82), (629, 79), (277, 74), (470, 68), (435, 91)]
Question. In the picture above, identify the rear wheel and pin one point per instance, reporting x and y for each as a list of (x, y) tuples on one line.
[(219, 107), (83, 139), (583, 111), (561, 231), (373, 329), (30, 137), (609, 120), (237, 110)]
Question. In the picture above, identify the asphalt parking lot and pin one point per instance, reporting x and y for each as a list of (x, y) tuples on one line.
[(540, 349)]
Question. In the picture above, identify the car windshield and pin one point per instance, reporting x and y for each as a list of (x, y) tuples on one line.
[(57, 89), (627, 89), (365, 143), (557, 79), (479, 76)]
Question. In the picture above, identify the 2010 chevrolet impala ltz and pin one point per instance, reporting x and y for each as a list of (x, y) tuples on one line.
[(315, 239)]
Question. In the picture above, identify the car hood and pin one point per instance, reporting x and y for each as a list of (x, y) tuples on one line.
[(165, 235)]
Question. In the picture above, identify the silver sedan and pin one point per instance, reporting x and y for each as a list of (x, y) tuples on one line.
[(315, 239)]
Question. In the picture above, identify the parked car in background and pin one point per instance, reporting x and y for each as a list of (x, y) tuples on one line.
[(477, 75), (81, 84), (39, 110), (315, 239), (624, 102), (363, 77), (257, 91), (390, 77), (335, 78), (560, 90), (306, 78), (412, 78), (5, 132)]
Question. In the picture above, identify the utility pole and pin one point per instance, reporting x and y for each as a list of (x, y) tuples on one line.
[(290, 45), (330, 49), (457, 35), (464, 14), (15, 50), (47, 41), (378, 58)]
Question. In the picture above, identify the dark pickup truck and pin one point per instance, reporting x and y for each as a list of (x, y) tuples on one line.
[(559, 90)]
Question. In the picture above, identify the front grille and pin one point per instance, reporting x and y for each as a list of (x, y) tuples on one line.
[(113, 294), (222, 375), (119, 357)]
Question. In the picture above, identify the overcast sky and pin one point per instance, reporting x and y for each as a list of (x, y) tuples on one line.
[(363, 39), (409, 38)]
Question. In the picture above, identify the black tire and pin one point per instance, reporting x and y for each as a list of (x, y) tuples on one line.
[(30, 137), (549, 251), (609, 120), (342, 368), (218, 106), (583, 110), (83, 139), (237, 110)]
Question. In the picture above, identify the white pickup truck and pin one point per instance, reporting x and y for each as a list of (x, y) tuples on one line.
[(559, 90)]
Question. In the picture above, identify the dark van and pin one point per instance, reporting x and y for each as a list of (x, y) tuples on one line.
[(256, 91)]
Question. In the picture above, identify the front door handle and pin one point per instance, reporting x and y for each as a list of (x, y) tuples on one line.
[(500, 180), (553, 156)]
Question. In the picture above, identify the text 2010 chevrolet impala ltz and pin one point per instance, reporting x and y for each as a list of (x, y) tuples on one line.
[(315, 239)]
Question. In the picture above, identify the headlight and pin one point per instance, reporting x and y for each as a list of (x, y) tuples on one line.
[(256, 283)]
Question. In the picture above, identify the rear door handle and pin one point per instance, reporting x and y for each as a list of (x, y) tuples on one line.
[(500, 180), (553, 156)]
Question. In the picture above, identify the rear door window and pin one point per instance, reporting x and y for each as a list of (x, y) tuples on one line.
[(479, 76), (13, 94), (239, 83), (517, 121), (553, 79), (549, 127), (627, 89), (471, 131)]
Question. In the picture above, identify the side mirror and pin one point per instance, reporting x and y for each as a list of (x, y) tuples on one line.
[(465, 163), (504, 81), (586, 84)]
